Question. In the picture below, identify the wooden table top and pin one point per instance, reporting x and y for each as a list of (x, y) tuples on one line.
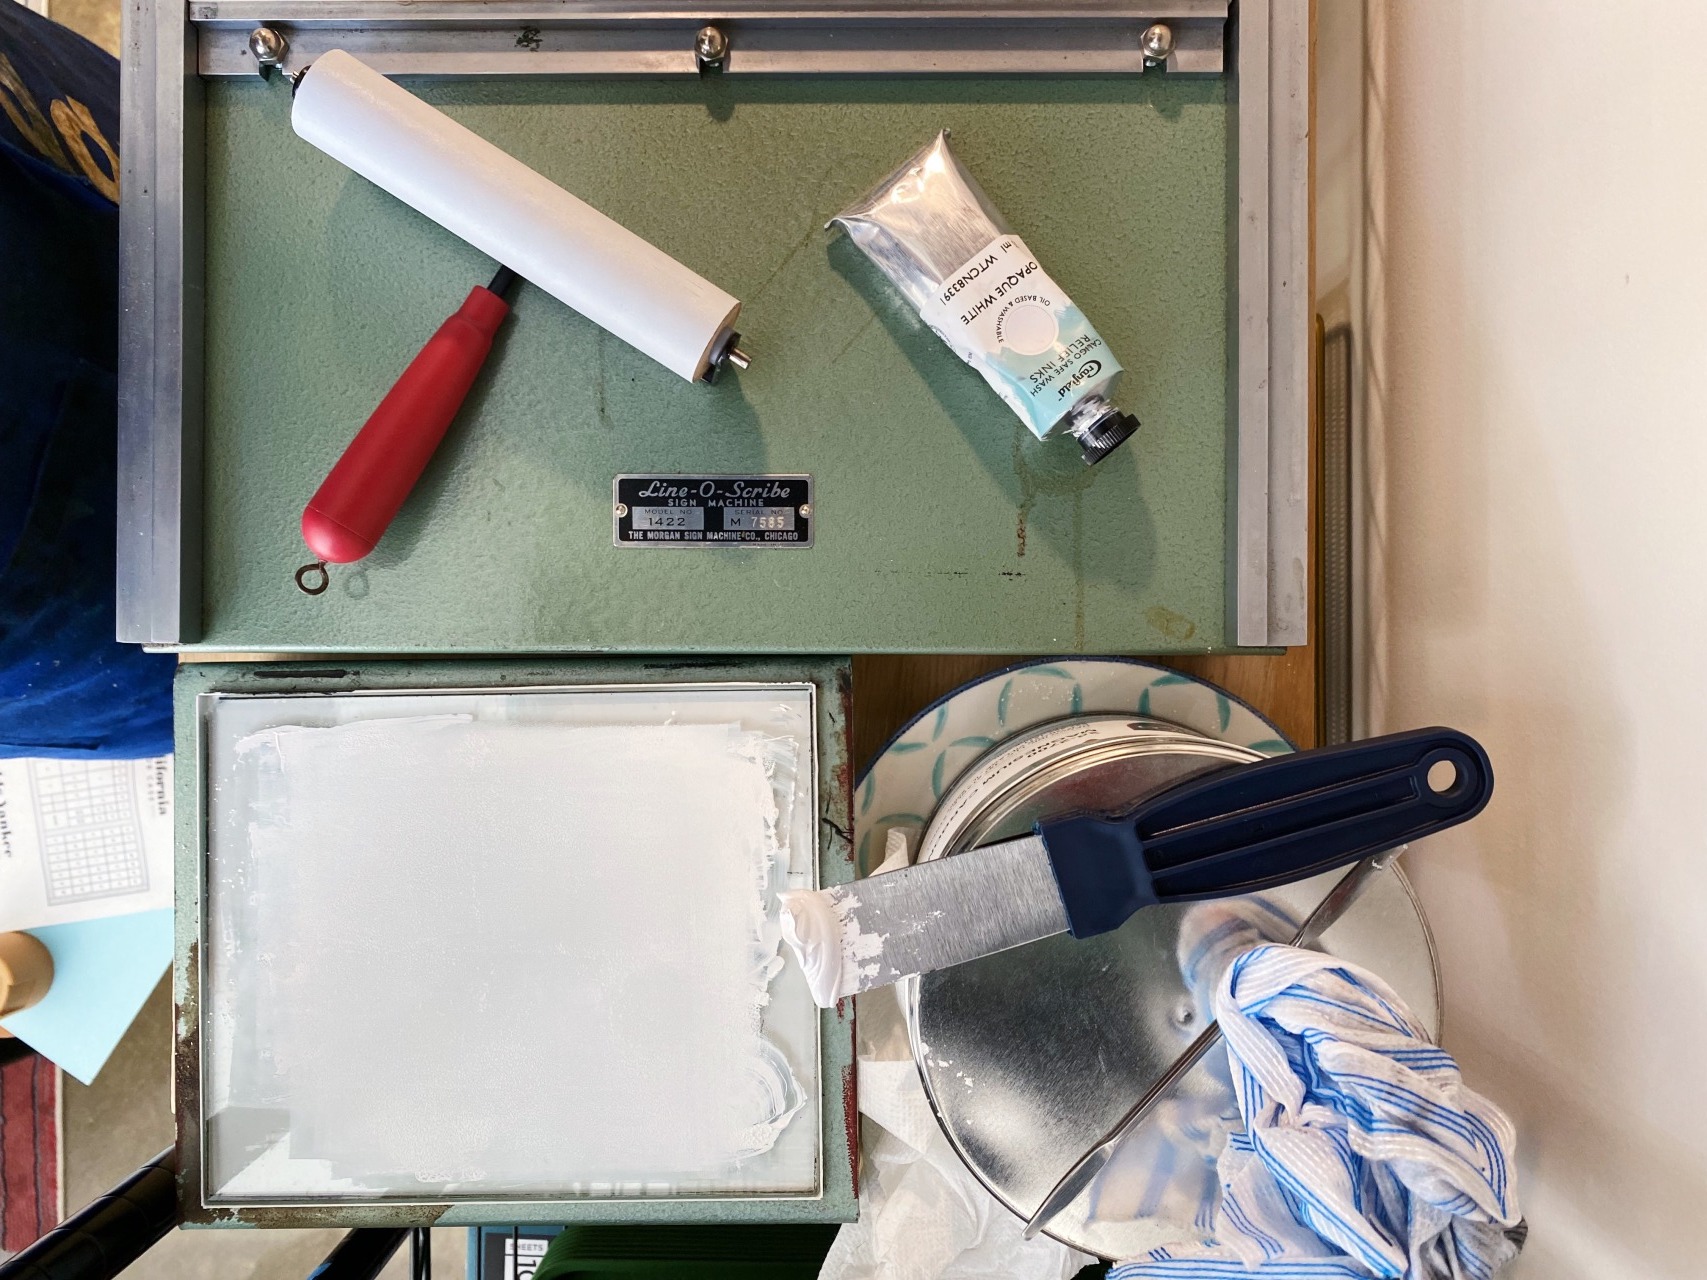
[(889, 689)]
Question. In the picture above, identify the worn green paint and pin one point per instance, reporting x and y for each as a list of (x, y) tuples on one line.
[(831, 676), (941, 526)]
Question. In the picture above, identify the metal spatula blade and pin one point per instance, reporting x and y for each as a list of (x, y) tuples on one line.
[(941, 913)]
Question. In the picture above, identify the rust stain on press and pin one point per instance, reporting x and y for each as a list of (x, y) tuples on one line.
[(850, 1120), (841, 779), (842, 775), (1175, 626), (186, 1100), (186, 1083), (371, 1215), (1078, 571), (1045, 476)]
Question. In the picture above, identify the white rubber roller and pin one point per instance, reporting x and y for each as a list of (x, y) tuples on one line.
[(506, 210)]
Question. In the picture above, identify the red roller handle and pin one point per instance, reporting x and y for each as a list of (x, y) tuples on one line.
[(351, 510)]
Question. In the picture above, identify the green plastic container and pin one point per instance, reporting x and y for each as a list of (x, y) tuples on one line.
[(786, 1252)]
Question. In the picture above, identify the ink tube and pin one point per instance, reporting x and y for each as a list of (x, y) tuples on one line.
[(931, 229)]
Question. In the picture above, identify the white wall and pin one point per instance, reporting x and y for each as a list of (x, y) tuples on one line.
[(1545, 553)]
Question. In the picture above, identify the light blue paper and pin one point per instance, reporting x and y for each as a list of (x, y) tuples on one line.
[(103, 970)]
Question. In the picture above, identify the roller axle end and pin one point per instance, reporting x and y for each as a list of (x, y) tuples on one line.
[(725, 352)]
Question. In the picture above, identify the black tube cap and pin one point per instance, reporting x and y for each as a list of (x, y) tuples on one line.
[(1105, 435)]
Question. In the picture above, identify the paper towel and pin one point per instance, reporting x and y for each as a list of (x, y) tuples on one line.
[(922, 1215)]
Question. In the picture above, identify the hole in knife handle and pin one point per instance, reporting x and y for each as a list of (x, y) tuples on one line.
[(1448, 775)]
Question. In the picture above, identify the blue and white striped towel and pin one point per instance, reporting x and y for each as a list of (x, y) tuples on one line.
[(1361, 1153)]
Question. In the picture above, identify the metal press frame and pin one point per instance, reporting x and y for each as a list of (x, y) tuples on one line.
[(170, 46), (1347, 153)]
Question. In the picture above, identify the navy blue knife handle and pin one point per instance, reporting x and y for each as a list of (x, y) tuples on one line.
[(1254, 826)]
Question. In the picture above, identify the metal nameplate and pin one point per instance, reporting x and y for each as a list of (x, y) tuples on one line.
[(712, 511)]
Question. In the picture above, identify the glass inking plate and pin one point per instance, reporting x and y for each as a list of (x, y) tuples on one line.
[(465, 945)]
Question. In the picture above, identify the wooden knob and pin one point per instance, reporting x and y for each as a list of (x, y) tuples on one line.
[(26, 972)]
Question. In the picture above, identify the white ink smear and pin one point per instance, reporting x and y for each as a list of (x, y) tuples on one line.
[(824, 934), (455, 955), (811, 929), (828, 943)]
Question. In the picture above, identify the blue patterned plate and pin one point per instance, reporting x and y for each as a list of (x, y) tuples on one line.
[(924, 758)]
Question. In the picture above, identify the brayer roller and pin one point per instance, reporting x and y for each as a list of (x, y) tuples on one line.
[(550, 238)]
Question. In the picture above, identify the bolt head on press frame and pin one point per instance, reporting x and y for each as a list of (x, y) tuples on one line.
[(710, 48), (1156, 43), (269, 46)]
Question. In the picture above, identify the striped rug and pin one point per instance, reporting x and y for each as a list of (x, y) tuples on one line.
[(29, 1149)]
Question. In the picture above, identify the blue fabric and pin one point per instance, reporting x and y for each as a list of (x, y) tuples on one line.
[(67, 688), (1356, 1150)]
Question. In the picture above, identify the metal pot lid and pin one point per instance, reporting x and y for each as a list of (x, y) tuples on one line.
[(1029, 1057)]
